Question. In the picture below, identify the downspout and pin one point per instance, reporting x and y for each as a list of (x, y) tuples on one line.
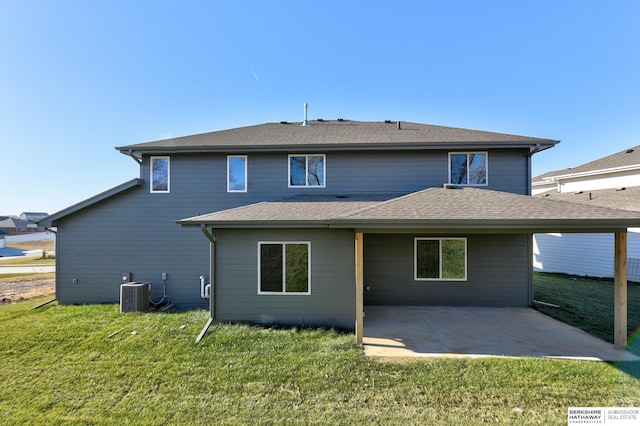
[(212, 268), (57, 279), (212, 271), (138, 161), (130, 154), (529, 168)]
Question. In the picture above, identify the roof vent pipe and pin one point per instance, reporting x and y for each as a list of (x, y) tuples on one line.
[(398, 125), (305, 122)]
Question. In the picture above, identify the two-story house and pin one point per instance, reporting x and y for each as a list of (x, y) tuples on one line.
[(612, 181), (305, 223)]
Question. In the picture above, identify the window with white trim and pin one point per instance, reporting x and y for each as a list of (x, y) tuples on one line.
[(307, 170), (439, 259), (160, 174), (468, 168), (284, 267), (236, 173)]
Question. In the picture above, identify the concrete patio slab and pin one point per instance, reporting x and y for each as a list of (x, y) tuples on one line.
[(442, 331)]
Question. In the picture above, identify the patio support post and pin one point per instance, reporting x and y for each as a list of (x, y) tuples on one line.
[(359, 287), (620, 290)]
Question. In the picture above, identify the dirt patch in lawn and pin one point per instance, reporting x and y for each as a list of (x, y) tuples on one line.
[(17, 289), (34, 245)]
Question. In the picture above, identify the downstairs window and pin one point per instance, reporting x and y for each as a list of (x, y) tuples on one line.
[(440, 259), (283, 268)]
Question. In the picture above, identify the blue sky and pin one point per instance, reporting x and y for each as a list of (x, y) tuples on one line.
[(78, 78)]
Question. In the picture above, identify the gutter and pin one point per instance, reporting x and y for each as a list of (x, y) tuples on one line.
[(333, 147), (438, 226), (588, 173), (283, 224)]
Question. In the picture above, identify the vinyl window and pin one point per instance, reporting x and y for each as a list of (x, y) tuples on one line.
[(237, 173), (307, 170), (160, 174), (284, 268), (440, 259), (468, 168)]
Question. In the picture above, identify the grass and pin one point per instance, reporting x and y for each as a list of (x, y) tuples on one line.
[(587, 303), (28, 261), (14, 278), (36, 261), (60, 366)]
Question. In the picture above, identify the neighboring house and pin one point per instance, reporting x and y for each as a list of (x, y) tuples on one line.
[(614, 171), (33, 217), (14, 225), (305, 224), (612, 181)]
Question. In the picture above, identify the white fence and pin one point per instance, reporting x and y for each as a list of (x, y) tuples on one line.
[(30, 237)]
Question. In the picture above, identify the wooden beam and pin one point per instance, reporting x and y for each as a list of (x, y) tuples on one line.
[(620, 290), (359, 287)]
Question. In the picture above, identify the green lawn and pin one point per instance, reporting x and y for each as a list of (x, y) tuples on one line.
[(65, 365), (587, 303), (34, 261), (28, 261)]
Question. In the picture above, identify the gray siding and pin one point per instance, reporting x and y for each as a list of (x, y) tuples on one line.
[(135, 231), (382, 172), (125, 234), (332, 298), (498, 273)]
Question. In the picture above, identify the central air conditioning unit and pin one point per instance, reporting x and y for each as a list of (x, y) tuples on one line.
[(134, 297)]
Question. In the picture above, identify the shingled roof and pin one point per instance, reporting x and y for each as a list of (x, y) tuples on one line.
[(619, 198), (463, 209), (626, 158), (336, 134)]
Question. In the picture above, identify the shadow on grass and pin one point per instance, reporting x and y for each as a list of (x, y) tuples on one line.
[(292, 327)]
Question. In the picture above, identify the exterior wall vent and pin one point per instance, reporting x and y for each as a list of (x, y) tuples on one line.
[(134, 297)]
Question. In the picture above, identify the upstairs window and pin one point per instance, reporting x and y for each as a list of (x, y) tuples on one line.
[(307, 170), (468, 168), (237, 173), (160, 174), (284, 268), (440, 259)]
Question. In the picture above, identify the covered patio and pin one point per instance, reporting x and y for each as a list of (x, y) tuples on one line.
[(409, 332), (495, 212), (446, 211)]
